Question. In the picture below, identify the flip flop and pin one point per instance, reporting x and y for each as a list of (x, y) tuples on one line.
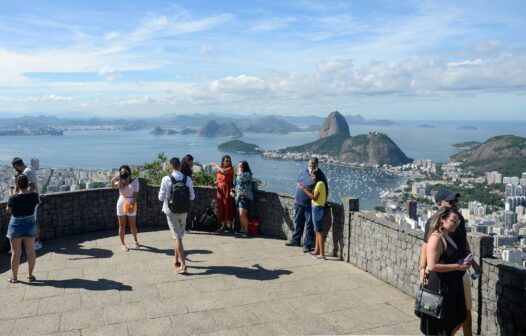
[(137, 245), (31, 278), (124, 248), (12, 280), (181, 270)]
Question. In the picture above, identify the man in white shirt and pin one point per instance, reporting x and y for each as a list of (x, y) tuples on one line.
[(21, 168), (176, 221)]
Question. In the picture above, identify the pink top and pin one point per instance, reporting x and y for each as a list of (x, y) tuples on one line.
[(128, 190)]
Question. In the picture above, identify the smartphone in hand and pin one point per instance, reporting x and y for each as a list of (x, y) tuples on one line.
[(469, 258)]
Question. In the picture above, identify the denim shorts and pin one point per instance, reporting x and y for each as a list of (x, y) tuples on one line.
[(318, 214), (243, 203), (22, 227)]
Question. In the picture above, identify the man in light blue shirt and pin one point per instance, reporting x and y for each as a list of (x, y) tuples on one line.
[(176, 221)]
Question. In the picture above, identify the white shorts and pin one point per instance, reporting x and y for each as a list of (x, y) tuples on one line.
[(177, 224), (120, 206)]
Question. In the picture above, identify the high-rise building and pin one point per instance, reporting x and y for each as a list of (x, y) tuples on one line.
[(35, 163), (510, 218), (411, 209)]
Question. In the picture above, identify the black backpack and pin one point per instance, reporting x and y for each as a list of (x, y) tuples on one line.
[(207, 221), (180, 196)]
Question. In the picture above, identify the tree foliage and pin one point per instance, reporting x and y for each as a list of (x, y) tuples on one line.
[(155, 171)]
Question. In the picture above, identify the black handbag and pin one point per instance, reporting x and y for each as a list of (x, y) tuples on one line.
[(429, 302)]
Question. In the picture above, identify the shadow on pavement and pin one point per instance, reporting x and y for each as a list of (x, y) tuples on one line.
[(92, 285), (170, 252), (255, 273)]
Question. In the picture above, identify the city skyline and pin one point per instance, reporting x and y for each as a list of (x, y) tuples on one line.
[(381, 59)]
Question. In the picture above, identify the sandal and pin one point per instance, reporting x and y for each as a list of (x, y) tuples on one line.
[(137, 245), (12, 280), (181, 270), (124, 248), (31, 278)]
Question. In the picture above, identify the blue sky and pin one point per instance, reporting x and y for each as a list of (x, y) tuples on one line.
[(383, 59)]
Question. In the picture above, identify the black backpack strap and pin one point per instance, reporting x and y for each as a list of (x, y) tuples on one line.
[(172, 178), (184, 179)]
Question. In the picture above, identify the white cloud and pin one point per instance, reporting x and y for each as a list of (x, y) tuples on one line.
[(205, 49), (138, 101), (274, 23), (111, 35), (58, 99)]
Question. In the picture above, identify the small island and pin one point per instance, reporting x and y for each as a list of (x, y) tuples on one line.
[(162, 131), (465, 145), (467, 128), (426, 126), (238, 146)]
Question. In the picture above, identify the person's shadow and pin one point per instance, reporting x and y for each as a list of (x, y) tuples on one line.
[(170, 252), (92, 285), (255, 273), (80, 253)]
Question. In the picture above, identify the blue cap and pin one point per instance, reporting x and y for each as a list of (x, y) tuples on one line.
[(445, 195)]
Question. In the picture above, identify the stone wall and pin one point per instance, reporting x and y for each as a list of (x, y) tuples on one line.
[(391, 253)]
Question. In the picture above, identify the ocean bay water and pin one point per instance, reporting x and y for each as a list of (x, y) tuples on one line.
[(110, 149)]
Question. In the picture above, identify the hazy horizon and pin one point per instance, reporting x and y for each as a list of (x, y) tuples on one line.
[(396, 60)]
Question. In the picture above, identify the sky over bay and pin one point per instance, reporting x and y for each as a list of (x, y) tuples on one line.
[(383, 59)]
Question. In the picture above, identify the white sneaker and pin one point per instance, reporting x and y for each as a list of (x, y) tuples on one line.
[(38, 245)]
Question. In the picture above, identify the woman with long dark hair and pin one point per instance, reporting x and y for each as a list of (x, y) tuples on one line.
[(127, 203), (225, 183), (243, 195), (186, 165), (22, 226), (445, 268)]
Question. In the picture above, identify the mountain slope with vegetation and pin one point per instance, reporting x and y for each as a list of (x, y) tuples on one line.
[(504, 153)]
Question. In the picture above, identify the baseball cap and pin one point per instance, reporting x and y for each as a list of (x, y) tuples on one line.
[(445, 195)]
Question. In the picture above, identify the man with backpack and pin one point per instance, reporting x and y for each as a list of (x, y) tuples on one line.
[(176, 192)]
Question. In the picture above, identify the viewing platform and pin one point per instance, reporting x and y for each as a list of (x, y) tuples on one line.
[(257, 286), (87, 286)]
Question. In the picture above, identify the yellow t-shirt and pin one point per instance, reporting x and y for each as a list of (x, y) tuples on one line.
[(322, 197)]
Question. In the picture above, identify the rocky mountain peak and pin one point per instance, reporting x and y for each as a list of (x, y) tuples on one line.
[(335, 124)]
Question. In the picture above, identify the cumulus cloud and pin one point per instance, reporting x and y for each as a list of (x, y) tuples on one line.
[(342, 78)]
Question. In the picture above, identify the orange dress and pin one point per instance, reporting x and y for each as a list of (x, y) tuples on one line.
[(225, 202)]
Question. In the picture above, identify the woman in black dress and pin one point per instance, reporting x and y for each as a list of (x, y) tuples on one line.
[(446, 269)]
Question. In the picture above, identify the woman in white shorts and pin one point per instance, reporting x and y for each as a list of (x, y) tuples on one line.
[(127, 203)]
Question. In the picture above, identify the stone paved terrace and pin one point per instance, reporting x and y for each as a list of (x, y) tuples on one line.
[(87, 286)]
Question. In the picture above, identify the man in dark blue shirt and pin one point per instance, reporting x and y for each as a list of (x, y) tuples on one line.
[(303, 209)]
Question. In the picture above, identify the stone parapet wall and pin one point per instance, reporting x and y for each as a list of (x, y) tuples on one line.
[(386, 250), (503, 298)]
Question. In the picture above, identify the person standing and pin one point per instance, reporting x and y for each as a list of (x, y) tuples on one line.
[(447, 199), (176, 192), (243, 196), (225, 183), (302, 207), (22, 226), (319, 200), (21, 168), (446, 267), (127, 203), (187, 164)]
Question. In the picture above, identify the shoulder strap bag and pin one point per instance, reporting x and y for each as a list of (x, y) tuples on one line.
[(430, 302)]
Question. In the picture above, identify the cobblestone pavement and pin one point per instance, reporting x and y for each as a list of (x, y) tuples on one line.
[(257, 286)]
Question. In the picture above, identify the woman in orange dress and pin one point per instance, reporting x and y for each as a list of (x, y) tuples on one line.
[(225, 183)]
